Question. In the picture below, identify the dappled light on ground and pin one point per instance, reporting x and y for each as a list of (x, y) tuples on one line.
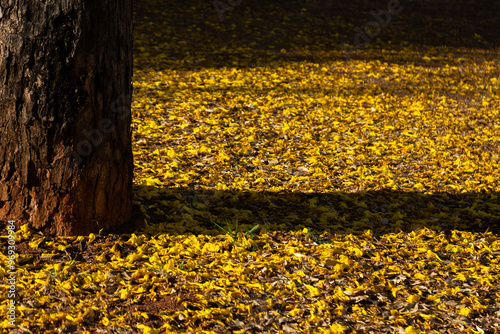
[(291, 181)]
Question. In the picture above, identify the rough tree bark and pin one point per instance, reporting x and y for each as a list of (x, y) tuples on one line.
[(65, 88)]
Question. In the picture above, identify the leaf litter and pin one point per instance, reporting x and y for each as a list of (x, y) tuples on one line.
[(287, 185)]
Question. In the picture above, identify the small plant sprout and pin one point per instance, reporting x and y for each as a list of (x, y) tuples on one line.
[(233, 234)]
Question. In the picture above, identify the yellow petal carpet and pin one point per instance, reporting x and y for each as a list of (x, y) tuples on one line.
[(292, 181)]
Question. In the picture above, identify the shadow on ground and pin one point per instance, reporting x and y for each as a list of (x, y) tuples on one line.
[(198, 34), (184, 211)]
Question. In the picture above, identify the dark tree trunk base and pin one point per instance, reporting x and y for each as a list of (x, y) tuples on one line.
[(65, 89)]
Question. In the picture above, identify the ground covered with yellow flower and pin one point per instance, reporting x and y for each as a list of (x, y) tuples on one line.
[(292, 180)]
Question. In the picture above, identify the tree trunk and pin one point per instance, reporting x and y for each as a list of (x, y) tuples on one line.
[(65, 89)]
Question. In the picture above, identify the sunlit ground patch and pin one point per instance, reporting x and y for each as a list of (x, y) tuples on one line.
[(290, 184)]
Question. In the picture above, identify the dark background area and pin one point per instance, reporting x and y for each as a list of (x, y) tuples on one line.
[(197, 34)]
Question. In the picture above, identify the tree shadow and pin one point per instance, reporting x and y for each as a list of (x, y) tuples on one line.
[(201, 34), (188, 210)]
